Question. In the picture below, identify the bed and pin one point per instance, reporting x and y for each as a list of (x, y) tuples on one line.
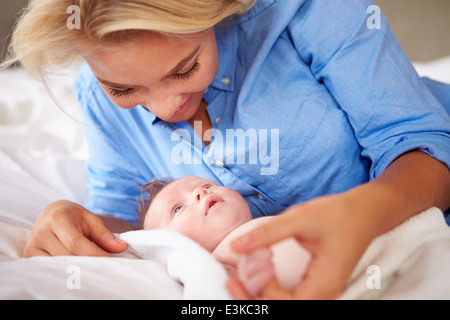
[(42, 155)]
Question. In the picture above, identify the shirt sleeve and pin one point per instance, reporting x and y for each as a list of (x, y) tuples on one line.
[(390, 108), (112, 189)]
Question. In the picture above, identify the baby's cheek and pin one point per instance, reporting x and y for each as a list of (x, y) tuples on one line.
[(183, 228), (195, 233)]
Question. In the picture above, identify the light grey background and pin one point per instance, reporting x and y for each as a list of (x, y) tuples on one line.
[(422, 26)]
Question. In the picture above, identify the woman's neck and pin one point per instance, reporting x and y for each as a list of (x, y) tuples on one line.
[(202, 116)]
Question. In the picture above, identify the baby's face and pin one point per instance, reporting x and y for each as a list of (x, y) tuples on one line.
[(199, 209)]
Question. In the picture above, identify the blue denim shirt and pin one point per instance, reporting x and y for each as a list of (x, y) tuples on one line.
[(318, 103)]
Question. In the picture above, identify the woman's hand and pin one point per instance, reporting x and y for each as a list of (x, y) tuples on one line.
[(334, 233), (66, 228), (337, 229)]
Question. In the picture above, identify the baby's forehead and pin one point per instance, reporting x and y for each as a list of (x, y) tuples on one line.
[(178, 187), (170, 194), (187, 183), (154, 217)]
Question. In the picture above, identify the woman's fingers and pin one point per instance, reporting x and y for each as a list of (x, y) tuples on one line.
[(102, 236), (45, 245), (236, 289), (34, 252), (273, 291), (88, 237), (283, 226), (66, 228), (320, 282)]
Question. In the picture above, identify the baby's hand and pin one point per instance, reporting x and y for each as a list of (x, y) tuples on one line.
[(255, 270)]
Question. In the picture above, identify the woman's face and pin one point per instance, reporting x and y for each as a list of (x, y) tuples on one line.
[(166, 75)]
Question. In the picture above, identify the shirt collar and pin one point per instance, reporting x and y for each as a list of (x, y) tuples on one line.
[(227, 46), (259, 7), (226, 39)]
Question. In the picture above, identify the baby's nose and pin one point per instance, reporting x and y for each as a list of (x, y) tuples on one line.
[(200, 192)]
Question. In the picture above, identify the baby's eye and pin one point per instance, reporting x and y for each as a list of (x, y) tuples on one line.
[(177, 208), (208, 186)]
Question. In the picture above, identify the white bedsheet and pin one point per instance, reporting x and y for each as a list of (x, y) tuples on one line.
[(42, 155)]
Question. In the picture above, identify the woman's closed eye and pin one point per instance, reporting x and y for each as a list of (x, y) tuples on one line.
[(121, 93), (188, 74), (118, 93)]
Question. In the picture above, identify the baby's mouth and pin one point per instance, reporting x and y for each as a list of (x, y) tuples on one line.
[(210, 202)]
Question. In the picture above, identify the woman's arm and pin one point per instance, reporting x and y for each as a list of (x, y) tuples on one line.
[(337, 229), (411, 184)]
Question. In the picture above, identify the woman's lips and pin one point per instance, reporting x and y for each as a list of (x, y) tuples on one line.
[(183, 107)]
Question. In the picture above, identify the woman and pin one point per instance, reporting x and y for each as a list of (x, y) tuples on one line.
[(362, 141)]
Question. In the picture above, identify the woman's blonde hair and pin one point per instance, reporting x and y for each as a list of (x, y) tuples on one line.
[(42, 37)]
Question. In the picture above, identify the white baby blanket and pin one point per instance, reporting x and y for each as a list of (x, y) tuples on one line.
[(409, 262), (201, 274)]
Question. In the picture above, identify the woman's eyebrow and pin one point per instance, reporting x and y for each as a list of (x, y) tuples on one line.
[(182, 63)]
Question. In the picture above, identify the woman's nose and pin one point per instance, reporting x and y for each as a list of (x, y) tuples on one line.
[(163, 106)]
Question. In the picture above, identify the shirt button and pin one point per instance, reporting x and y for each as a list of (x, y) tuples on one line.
[(226, 81), (219, 163), (260, 196), (217, 120)]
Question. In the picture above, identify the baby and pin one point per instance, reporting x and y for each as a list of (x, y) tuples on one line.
[(214, 216)]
